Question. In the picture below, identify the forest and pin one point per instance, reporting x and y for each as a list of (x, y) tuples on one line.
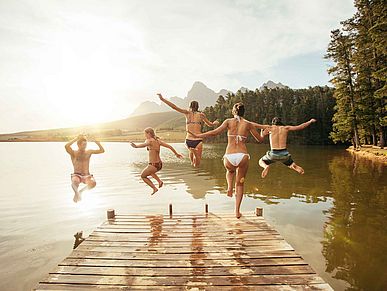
[(354, 110)]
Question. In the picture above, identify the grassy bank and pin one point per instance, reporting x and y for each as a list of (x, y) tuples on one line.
[(166, 135), (370, 152)]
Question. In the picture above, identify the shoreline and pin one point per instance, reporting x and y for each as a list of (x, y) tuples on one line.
[(370, 153)]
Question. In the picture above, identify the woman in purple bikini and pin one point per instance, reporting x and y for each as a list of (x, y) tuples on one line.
[(194, 120)]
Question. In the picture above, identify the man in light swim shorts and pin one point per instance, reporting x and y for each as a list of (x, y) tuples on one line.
[(81, 161), (278, 134)]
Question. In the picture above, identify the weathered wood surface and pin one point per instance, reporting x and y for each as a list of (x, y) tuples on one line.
[(184, 252)]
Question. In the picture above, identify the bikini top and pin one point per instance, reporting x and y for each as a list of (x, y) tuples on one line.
[(238, 137), (189, 121)]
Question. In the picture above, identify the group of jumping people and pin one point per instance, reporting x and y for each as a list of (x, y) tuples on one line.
[(235, 160)]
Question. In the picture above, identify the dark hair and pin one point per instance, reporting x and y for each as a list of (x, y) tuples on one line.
[(276, 121), (81, 140), (239, 109), (194, 106)]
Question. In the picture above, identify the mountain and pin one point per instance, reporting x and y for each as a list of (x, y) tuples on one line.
[(271, 85), (199, 92)]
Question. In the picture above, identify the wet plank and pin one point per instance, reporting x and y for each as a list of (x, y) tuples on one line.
[(189, 251)]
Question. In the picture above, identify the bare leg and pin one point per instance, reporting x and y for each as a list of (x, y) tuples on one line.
[(75, 181), (90, 184), (158, 180), (265, 168), (297, 168), (148, 171), (230, 174), (191, 156), (239, 184), (198, 155)]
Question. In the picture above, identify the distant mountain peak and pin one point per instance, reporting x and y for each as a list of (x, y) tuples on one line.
[(272, 85)]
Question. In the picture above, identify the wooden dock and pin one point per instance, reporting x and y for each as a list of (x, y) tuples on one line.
[(184, 252)]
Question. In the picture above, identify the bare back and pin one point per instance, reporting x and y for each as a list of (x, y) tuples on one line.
[(278, 137), (81, 162), (237, 132), (193, 124)]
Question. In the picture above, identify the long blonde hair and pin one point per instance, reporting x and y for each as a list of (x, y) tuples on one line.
[(152, 133)]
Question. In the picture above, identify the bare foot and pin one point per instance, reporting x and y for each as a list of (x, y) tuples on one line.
[(264, 172), (230, 192), (297, 168), (238, 215), (161, 183), (77, 197), (154, 191)]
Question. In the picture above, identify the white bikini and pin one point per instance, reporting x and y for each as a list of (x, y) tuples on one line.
[(236, 158)]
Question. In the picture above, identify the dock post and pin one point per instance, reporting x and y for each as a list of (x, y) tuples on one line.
[(110, 214), (258, 211), (170, 210), (206, 208)]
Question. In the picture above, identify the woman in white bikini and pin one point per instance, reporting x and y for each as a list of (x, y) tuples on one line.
[(236, 158), (194, 120), (153, 144)]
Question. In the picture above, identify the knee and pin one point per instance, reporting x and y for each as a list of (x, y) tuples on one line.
[(240, 181), (143, 176), (230, 171), (75, 181), (92, 184)]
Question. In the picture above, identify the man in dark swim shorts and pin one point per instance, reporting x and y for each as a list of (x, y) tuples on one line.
[(278, 134)]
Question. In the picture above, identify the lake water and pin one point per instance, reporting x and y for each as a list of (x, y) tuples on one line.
[(335, 215)]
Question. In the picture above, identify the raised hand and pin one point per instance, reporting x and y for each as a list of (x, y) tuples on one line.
[(160, 96), (313, 120), (132, 144), (216, 123)]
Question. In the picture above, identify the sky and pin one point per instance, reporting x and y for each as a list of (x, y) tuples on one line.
[(70, 63)]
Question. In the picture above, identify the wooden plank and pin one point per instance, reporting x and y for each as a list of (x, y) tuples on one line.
[(226, 262), (282, 287), (143, 239), (194, 243), (178, 251), (216, 271), (163, 257), (190, 235), (185, 280)]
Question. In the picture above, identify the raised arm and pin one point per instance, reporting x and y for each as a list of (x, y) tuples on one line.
[(209, 123), (172, 105), (213, 132), (301, 126), (68, 145), (168, 146), (101, 150)]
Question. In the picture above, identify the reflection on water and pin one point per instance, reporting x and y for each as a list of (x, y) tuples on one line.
[(334, 215), (355, 235)]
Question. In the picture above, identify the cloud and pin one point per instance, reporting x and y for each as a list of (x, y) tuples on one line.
[(57, 52)]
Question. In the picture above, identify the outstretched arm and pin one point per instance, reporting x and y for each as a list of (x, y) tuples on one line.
[(172, 105), (140, 145), (301, 126), (209, 123), (69, 144), (216, 131), (101, 150), (257, 125), (260, 137), (168, 146)]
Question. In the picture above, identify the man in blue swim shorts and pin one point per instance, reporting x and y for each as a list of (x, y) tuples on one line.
[(278, 134)]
